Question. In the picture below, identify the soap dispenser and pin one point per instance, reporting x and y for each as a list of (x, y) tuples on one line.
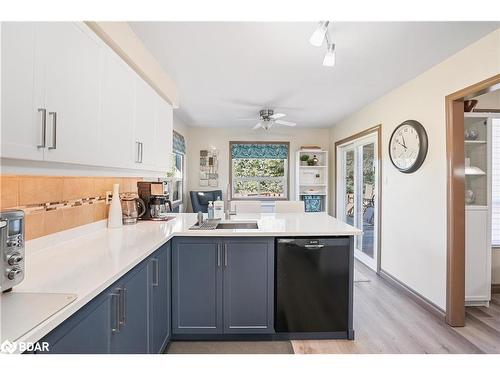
[(210, 210)]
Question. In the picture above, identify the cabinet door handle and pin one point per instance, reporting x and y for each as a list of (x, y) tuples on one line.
[(218, 255), (142, 151), (43, 122), (116, 315), (225, 255), (138, 152), (122, 292), (54, 130), (155, 273)]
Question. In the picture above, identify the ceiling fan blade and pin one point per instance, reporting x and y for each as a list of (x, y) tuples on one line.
[(257, 126), (246, 119), (277, 116), (286, 123)]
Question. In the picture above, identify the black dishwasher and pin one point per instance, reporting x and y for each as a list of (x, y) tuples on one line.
[(313, 288)]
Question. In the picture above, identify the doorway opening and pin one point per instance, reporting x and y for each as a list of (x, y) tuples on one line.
[(358, 189), (456, 199)]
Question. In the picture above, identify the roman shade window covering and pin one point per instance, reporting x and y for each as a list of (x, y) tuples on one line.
[(259, 151), (179, 143)]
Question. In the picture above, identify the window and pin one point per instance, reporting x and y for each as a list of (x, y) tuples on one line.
[(176, 175), (495, 183), (259, 170), (177, 178)]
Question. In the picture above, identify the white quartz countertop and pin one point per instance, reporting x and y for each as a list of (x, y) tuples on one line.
[(86, 260)]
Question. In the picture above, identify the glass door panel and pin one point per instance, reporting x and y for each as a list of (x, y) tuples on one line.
[(349, 186), (357, 171)]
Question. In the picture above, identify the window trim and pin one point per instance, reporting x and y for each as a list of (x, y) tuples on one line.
[(272, 199)]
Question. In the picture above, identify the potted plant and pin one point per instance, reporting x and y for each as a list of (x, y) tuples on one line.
[(303, 159)]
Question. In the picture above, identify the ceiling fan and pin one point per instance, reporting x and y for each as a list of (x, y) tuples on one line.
[(268, 118)]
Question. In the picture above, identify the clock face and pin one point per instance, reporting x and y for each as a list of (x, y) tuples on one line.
[(408, 146)]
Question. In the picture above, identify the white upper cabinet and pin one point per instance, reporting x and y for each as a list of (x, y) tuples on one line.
[(67, 97), (145, 126), (71, 60), (164, 138), (117, 113), (22, 124)]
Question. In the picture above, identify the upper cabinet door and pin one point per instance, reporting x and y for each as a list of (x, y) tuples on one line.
[(117, 113), (21, 121), (144, 146), (72, 58), (164, 138)]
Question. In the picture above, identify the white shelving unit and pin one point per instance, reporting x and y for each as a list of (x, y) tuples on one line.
[(311, 181), (478, 213)]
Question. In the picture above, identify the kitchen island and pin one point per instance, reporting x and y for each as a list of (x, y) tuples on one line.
[(107, 269)]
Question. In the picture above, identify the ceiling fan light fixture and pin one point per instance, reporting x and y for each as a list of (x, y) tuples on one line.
[(329, 59), (319, 34)]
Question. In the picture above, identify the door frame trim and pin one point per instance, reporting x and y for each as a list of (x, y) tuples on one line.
[(377, 129), (455, 191)]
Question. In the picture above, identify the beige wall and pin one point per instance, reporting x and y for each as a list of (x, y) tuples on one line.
[(490, 100), (218, 138), (414, 205)]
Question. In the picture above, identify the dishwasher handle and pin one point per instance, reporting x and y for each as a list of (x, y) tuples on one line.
[(314, 246)]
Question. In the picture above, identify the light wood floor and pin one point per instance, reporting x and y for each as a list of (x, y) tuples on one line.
[(388, 321)]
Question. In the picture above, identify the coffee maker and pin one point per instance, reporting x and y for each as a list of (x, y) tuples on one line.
[(156, 199)]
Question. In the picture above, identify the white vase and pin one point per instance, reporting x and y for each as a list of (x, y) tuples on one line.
[(115, 209)]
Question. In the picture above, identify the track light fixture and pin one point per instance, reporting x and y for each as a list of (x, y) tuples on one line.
[(319, 35), (329, 59)]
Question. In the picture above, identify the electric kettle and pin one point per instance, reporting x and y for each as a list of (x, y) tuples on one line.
[(132, 209)]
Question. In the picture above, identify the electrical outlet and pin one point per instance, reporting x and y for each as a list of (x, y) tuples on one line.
[(109, 196)]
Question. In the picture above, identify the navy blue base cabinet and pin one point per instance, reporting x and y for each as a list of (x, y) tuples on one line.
[(160, 300), (131, 316), (222, 286)]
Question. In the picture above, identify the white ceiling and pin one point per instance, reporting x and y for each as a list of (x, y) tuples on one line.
[(230, 70)]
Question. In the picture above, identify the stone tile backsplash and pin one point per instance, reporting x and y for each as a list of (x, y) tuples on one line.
[(53, 203)]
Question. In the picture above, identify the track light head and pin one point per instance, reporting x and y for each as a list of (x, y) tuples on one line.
[(319, 34), (329, 59)]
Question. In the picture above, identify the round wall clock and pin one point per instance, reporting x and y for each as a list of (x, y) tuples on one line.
[(408, 146)]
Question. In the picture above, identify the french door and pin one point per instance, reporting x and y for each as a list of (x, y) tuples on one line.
[(357, 194)]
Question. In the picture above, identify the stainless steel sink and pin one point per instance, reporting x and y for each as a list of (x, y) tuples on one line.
[(238, 225)]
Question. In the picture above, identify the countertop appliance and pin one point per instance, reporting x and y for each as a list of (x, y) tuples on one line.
[(156, 200), (313, 288), (11, 248), (132, 209)]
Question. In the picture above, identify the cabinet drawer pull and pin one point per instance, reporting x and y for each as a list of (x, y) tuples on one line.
[(43, 122), (155, 273), (54, 130), (116, 316)]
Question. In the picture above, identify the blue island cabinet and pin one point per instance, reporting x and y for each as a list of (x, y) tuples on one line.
[(160, 299), (130, 334), (222, 286), (131, 316)]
